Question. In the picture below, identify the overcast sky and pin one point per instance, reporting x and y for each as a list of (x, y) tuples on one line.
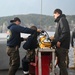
[(17, 7)]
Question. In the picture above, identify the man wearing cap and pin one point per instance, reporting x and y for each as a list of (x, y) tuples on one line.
[(13, 43), (61, 40)]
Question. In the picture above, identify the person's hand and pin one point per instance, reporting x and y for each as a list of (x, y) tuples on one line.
[(52, 37), (17, 47), (72, 46), (58, 44), (38, 30)]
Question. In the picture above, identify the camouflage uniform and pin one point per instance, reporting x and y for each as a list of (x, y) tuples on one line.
[(29, 57), (14, 63)]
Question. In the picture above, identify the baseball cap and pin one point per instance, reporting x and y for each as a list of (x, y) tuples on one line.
[(15, 19)]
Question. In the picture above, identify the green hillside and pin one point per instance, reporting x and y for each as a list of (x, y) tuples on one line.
[(30, 18), (35, 19)]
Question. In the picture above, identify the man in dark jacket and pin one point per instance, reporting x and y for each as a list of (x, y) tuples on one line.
[(13, 43), (61, 40), (73, 43)]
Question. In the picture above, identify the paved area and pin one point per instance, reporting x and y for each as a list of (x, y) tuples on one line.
[(4, 60), (19, 72), (5, 72), (71, 71)]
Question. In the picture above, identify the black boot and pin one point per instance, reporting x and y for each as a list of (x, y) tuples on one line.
[(26, 74)]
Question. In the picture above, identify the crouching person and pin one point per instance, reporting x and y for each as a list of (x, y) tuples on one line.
[(30, 45)]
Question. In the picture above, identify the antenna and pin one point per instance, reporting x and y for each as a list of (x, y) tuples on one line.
[(41, 15)]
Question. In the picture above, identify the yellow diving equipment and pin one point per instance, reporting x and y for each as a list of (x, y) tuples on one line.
[(44, 42)]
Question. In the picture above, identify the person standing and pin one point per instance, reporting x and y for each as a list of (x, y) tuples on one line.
[(73, 43), (13, 43), (61, 40)]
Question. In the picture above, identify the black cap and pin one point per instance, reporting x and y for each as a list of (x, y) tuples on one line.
[(15, 19)]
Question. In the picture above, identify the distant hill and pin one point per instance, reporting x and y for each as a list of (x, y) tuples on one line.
[(35, 19), (30, 18)]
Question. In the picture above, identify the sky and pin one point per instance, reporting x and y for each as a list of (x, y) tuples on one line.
[(18, 7)]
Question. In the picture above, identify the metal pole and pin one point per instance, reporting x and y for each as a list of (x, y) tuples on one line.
[(41, 7), (39, 63), (53, 59), (41, 15)]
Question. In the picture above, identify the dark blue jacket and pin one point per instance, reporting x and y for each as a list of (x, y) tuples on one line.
[(31, 42), (13, 37)]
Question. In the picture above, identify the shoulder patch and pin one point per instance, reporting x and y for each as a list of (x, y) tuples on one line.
[(9, 34)]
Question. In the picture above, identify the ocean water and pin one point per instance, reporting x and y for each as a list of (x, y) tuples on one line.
[(4, 59)]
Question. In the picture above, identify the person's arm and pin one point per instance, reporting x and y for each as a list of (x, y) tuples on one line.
[(21, 29), (65, 30)]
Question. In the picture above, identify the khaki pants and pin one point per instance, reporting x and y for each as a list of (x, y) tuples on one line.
[(14, 61)]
